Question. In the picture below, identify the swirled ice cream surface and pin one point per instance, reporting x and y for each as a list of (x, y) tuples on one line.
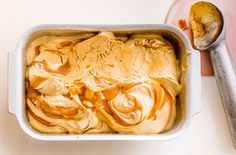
[(101, 83)]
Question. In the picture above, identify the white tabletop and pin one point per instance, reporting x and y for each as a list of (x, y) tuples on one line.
[(208, 133)]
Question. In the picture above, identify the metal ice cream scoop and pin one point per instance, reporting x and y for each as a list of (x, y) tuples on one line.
[(208, 25)]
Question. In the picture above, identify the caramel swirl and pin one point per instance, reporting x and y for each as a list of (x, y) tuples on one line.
[(130, 105), (63, 69), (143, 108)]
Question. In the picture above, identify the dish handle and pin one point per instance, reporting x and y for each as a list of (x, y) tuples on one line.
[(195, 82), (12, 83)]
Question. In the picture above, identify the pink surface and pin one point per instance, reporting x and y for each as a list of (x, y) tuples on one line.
[(180, 10)]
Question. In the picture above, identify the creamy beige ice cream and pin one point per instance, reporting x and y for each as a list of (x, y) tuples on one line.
[(100, 83)]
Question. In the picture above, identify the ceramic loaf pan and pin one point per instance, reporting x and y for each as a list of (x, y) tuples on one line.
[(188, 101)]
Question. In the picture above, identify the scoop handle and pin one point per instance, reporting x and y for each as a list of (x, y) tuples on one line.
[(226, 80)]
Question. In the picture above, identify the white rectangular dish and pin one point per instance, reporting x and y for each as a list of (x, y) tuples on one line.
[(188, 101)]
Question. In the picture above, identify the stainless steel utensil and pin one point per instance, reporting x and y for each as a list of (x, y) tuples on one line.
[(225, 74)]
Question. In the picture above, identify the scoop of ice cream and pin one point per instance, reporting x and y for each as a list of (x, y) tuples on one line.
[(206, 23)]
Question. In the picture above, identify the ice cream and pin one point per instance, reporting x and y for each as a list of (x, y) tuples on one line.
[(101, 83)]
